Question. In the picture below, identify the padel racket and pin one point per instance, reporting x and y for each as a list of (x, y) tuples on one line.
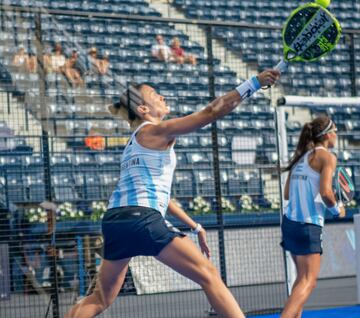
[(343, 185), (309, 33)]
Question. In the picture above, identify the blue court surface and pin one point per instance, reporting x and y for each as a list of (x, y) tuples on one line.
[(344, 312)]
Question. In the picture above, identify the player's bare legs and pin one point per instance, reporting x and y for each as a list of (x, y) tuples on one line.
[(109, 281), (183, 256), (308, 267)]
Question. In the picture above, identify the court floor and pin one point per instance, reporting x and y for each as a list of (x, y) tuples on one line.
[(329, 293), (344, 312)]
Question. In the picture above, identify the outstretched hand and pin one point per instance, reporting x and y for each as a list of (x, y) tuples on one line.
[(203, 243), (268, 77)]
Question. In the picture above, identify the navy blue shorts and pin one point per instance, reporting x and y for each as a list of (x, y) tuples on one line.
[(301, 238), (134, 230)]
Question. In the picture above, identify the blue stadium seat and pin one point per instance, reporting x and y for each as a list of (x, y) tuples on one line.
[(60, 163), (197, 157), (63, 187), (35, 187), (14, 188), (87, 186), (107, 181), (187, 141), (183, 184), (11, 164), (84, 162), (33, 164), (109, 162), (205, 185)]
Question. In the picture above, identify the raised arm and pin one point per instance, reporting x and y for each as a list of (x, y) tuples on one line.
[(217, 109)]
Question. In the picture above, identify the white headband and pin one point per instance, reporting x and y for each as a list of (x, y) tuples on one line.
[(326, 130)]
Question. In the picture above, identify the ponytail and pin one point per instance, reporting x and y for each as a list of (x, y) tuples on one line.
[(306, 142), (125, 107), (311, 133)]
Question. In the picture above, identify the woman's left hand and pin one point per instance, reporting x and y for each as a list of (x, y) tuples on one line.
[(203, 243)]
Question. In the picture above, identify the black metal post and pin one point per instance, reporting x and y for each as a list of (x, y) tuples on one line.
[(216, 163), (54, 297)]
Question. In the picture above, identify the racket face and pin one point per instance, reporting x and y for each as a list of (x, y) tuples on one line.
[(310, 32), (344, 186)]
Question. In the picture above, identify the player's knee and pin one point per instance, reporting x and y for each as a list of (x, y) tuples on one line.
[(102, 302), (209, 275), (310, 284)]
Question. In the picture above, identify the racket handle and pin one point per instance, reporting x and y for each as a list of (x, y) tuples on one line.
[(282, 66)]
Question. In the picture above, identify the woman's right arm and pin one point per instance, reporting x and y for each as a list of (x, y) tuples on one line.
[(217, 109), (326, 191), (287, 187)]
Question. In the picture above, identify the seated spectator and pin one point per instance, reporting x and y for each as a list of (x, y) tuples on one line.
[(94, 62), (20, 60), (179, 55), (104, 64), (47, 59), (71, 72), (161, 50), (95, 141), (57, 60), (33, 273), (32, 63)]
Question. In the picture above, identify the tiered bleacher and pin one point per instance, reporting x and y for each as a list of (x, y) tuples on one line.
[(329, 77), (246, 137), (80, 174)]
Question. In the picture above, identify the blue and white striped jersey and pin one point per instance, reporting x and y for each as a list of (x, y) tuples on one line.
[(305, 204), (145, 178)]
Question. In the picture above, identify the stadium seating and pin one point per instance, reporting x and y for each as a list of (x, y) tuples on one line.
[(80, 174), (265, 47)]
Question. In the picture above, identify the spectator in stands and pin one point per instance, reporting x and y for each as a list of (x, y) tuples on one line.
[(135, 222), (47, 59), (95, 141), (32, 63), (20, 60), (161, 50), (57, 59), (179, 55), (94, 62), (71, 72), (33, 260), (104, 64)]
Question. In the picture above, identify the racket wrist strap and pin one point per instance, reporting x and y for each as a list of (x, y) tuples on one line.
[(197, 229), (249, 87)]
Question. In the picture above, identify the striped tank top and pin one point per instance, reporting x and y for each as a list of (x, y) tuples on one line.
[(305, 203), (146, 176)]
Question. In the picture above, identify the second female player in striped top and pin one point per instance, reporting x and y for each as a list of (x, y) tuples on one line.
[(309, 193)]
